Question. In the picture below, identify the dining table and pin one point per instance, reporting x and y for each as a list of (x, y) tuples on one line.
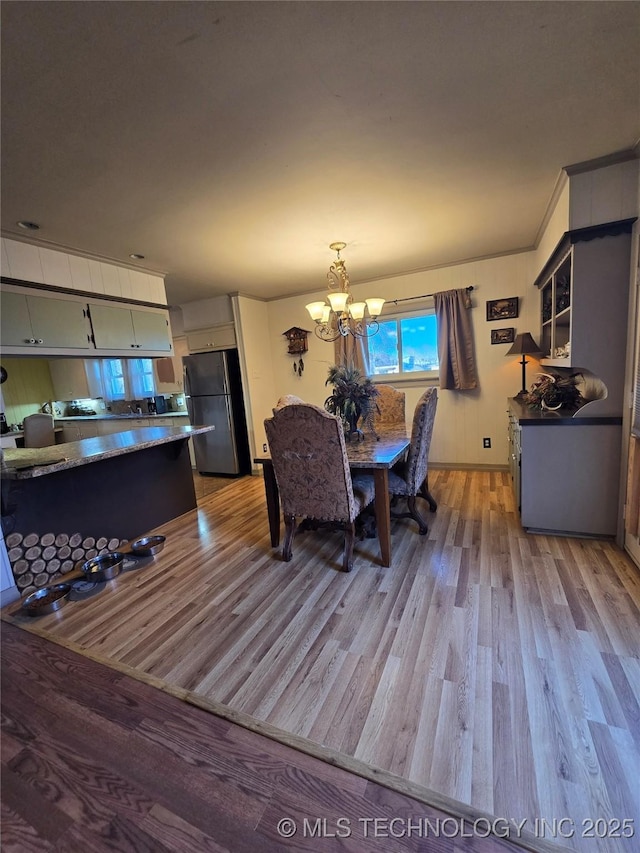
[(371, 454)]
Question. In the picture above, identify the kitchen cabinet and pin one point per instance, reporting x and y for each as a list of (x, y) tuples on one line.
[(31, 323), (69, 379), (129, 331), (108, 427), (211, 339), (584, 290), (165, 385), (25, 262)]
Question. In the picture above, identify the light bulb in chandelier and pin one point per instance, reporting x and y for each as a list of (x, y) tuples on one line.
[(342, 316)]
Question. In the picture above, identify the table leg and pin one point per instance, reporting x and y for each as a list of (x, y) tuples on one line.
[(273, 502), (383, 513)]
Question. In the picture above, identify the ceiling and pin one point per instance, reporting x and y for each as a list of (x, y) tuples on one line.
[(230, 143)]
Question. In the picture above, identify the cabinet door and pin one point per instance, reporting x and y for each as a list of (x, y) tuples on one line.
[(69, 379), (215, 338), (89, 429), (151, 331), (59, 322), (16, 323), (36, 321), (70, 431), (112, 327)]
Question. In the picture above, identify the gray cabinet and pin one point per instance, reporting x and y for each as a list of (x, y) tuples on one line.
[(565, 471), (130, 331), (584, 306), (40, 322)]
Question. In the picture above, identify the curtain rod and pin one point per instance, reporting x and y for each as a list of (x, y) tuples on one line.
[(424, 296)]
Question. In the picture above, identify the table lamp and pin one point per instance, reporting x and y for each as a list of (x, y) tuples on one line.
[(523, 345)]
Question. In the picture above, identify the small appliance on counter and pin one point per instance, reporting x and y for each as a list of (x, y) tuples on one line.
[(160, 403)]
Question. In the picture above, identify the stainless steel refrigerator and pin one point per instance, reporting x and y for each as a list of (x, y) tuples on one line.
[(213, 394)]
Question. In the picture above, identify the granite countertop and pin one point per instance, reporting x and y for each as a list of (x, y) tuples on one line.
[(23, 463), (107, 416)]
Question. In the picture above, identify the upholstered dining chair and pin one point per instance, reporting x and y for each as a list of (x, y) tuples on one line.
[(312, 472), (286, 400), (38, 430), (409, 478), (390, 403)]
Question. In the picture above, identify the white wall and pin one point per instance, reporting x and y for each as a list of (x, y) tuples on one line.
[(254, 345), (464, 418)]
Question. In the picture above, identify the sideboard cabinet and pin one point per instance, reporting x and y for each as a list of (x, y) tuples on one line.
[(584, 296), (565, 471)]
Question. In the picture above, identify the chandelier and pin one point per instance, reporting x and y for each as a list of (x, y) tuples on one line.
[(342, 316)]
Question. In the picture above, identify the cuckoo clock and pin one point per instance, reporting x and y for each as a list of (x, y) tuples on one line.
[(297, 345)]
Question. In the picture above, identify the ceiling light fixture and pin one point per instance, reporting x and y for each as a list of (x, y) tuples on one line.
[(136, 257), (28, 226), (342, 316)]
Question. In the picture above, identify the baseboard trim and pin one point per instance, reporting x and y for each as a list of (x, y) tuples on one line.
[(465, 466)]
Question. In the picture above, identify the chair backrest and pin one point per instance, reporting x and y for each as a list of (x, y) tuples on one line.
[(421, 432), (38, 431), (287, 400), (310, 463), (390, 403)]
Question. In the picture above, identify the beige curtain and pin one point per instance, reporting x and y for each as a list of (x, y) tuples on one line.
[(455, 340), (353, 351)]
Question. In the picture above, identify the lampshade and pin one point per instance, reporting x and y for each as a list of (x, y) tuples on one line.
[(342, 316), (523, 345)]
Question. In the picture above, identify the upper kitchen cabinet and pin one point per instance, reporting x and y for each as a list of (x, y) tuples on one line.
[(168, 371), (69, 379), (130, 331), (212, 339), (34, 324), (25, 262), (584, 305)]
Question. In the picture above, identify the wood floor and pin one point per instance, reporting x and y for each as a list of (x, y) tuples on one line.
[(486, 666), (95, 761)]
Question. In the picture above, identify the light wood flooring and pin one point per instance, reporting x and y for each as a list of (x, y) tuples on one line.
[(206, 484), (486, 667), (95, 761)]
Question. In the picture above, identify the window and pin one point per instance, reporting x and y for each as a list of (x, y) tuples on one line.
[(120, 378), (404, 345), (113, 379)]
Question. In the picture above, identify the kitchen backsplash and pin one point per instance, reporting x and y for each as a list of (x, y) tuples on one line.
[(74, 408)]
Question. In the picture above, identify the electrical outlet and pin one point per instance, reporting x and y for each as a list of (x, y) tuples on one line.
[(264, 448), (486, 442)]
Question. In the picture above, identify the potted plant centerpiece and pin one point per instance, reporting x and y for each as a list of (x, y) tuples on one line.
[(353, 398)]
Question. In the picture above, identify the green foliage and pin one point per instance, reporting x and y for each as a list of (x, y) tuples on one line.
[(354, 395)]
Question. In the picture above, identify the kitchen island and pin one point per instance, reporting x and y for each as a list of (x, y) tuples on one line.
[(114, 487)]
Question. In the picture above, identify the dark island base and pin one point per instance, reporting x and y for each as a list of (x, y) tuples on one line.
[(122, 497)]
